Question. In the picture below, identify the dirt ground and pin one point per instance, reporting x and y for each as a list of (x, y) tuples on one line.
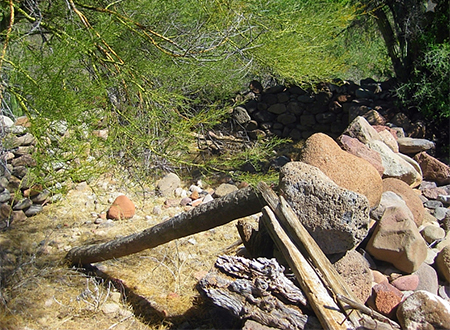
[(154, 289)]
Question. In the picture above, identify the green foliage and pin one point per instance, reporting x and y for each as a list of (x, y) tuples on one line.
[(311, 41), (155, 72), (429, 86)]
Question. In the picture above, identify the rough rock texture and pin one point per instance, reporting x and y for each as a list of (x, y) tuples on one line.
[(337, 218), (443, 263), (408, 145), (346, 170), (121, 208), (395, 166), (397, 240), (385, 298), (424, 310), (410, 197), (356, 273), (359, 149), (433, 169), (167, 185)]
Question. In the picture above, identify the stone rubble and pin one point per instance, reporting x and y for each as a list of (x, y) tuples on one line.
[(375, 196)]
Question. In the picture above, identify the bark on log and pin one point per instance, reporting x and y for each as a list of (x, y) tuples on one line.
[(324, 306), (238, 204), (258, 290)]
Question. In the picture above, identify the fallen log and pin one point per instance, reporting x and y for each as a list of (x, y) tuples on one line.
[(326, 309), (238, 204)]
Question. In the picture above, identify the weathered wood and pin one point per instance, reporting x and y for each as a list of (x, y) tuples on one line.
[(258, 290), (267, 272), (324, 306), (257, 242), (238, 204), (309, 248)]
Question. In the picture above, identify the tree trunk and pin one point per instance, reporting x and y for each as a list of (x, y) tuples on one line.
[(392, 43), (218, 212)]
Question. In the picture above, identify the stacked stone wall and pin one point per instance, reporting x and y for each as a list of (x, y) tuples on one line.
[(297, 113)]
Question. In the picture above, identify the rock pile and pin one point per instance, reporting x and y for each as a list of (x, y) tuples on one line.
[(19, 197), (381, 215), (407, 247), (298, 113)]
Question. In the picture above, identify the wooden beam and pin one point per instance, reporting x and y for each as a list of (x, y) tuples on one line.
[(308, 246), (324, 306), (238, 204)]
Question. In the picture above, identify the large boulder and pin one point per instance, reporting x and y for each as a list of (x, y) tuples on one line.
[(395, 166), (424, 310), (410, 197), (346, 170), (396, 239), (337, 218), (359, 149), (433, 169)]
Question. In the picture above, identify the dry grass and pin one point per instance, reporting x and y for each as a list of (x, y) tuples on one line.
[(154, 289)]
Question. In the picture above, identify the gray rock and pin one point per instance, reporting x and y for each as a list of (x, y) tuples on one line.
[(306, 98), (224, 189), (241, 115), (286, 118), (33, 210), (6, 121), (277, 108), (428, 278), (307, 120), (424, 310), (5, 196), (41, 197), (445, 199), (337, 218), (408, 145), (167, 185), (431, 204), (23, 204), (440, 213), (389, 199)]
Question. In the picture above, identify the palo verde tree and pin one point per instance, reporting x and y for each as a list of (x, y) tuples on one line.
[(149, 71)]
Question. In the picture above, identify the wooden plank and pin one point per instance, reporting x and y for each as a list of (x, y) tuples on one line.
[(309, 248), (324, 306)]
